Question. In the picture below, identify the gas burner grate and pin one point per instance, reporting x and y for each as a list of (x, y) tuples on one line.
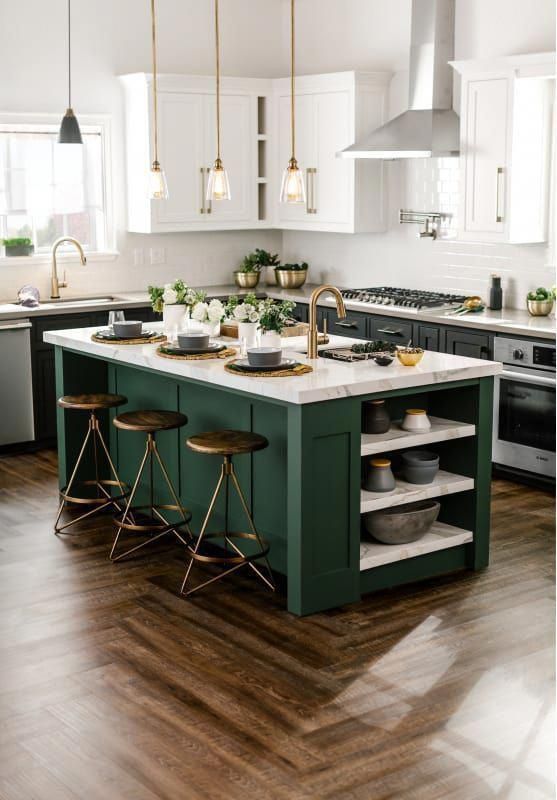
[(404, 298)]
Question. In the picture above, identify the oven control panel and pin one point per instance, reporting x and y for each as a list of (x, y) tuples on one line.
[(543, 356), (521, 352)]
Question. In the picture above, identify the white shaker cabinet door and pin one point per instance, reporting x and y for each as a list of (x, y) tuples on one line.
[(305, 151), (181, 148), (486, 157), (331, 184), (237, 154)]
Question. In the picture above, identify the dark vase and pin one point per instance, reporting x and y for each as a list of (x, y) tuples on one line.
[(376, 417), (496, 294)]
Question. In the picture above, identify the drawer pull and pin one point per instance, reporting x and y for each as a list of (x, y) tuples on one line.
[(347, 325), (390, 332)]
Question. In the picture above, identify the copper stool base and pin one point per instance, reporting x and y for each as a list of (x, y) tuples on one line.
[(154, 522), (104, 498), (238, 559)]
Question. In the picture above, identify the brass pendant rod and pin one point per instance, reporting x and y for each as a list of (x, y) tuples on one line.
[(155, 107), (292, 78), (69, 56), (217, 53)]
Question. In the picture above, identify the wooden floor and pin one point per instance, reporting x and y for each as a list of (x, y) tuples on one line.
[(113, 687)]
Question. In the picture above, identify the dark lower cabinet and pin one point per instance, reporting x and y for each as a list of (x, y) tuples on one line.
[(301, 312), (354, 325), (468, 343), (391, 329), (430, 337)]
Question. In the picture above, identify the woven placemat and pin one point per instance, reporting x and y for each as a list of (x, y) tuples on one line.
[(140, 340), (226, 353), (301, 369)]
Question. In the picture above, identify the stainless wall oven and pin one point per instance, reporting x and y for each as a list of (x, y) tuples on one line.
[(524, 406)]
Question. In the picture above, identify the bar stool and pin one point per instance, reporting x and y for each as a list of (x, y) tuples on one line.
[(103, 497), (228, 444), (149, 519)]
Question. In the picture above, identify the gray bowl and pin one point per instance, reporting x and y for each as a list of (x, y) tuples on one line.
[(194, 340), (264, 356), (128, 329), (402, 524), (420, 466)]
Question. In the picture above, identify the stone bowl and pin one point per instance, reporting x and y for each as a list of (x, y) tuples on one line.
[(402, 524), (264, 356), (128, 329), (193, 340), (420, 466)]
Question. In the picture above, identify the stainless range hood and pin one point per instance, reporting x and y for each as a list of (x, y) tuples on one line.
[(430, 127)]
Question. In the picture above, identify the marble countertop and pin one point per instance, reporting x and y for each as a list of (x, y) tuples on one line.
[(330, 380), (513, 322)]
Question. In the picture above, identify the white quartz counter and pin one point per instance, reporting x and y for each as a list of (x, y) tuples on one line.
[(330, 379)]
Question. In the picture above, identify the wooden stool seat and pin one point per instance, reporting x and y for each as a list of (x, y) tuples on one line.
[(91, 402), (150, 421), (227, 443)]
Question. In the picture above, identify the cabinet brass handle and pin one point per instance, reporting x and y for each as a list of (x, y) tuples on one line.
[(498, 215), (209, 202), (389, 331), (311, 173), (202, 171)]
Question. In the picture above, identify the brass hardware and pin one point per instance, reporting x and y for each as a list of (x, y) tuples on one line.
[(311, 171), (209, 207), (292, 187), (498, 216), (202, 171), (159, 527), (55, 284), (217, 184), (313, 332), (240, 559), (158, 190), (103, 499)]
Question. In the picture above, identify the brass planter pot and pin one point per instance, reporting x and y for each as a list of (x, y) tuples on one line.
[(291, 278), (247, 280), (540, 308)]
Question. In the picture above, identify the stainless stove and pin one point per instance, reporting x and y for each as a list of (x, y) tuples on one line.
[(404, 298)]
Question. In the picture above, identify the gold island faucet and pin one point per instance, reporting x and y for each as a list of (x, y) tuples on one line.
[(313, 332), (55, 284)]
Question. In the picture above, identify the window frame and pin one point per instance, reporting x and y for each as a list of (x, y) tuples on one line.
[(102, 124)]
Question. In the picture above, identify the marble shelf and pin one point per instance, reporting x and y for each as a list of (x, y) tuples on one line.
[(397, 439), (440, 537), (445, 483)]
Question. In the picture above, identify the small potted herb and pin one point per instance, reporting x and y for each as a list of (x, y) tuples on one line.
[(540, 303), (19, 247), (291, 276), (268, 262), (273, 319), (248, 273)]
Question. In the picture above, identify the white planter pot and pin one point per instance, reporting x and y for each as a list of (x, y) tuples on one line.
[(212, 328), (173, 318), (247, 331), (270, 276), (270, 339)]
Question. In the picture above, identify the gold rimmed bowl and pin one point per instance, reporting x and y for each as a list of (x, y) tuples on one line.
[(410, 356)]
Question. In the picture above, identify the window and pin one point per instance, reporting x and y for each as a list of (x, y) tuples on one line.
[(49, 190)]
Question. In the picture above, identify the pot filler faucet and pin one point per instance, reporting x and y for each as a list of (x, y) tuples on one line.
[(313, 332), (56, 285)]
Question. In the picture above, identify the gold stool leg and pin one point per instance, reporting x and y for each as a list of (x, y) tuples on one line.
[(129, 503), (174, 496), (72, 478)]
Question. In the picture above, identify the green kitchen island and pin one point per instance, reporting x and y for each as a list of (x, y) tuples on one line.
[(305, 488)]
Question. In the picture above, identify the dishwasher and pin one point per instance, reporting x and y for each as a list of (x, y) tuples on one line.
[(16, 383)]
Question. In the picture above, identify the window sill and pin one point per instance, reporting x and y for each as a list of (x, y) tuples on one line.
[(45, 258)]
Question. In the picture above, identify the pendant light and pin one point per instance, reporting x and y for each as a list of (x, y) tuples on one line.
[(292, 188), (218, 187), (158, 189), (69, 129)]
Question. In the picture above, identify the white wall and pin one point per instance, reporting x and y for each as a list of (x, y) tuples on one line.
[(112, 37)]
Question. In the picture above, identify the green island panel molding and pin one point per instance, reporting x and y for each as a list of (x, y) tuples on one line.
[(304, 489)]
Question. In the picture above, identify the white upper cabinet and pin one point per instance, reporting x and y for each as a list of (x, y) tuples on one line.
[(506, 123), (331, 112), (187, 150)]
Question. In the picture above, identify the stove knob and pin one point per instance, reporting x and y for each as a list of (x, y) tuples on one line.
[(518, 354)]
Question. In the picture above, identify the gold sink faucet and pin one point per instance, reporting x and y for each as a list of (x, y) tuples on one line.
[(55, 284), (313, 332)]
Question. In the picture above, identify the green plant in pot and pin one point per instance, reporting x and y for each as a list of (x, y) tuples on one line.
[(19, 246), (540, 302), (291, 276), (273, 318), (268, 262), (248, 273)]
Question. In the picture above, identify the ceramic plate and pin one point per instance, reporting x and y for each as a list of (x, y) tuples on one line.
[(245, 366), (174, 350), (107, 334)]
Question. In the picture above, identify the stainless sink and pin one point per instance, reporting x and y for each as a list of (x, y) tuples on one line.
[(80, 300)]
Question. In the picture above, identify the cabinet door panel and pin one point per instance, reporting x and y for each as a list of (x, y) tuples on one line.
[(487, 107), (236, 155), (330, 188), (428, 337), (44, 394), (390, 329), (465, 343), (305, 149), (181, 136), (355, 324)]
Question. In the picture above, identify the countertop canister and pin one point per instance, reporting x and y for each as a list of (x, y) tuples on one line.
[(379, 476), (376, 417)]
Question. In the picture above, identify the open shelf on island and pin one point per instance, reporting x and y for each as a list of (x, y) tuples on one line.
[(444, 483), (396, 439), (439, 537)]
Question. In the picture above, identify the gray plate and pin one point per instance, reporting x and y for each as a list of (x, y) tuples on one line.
[(245, 366), (174, 350), (107, 334)]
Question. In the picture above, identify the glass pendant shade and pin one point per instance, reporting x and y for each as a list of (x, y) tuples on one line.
[(158, 189), (69, 129), (218, 187), (292, 189)]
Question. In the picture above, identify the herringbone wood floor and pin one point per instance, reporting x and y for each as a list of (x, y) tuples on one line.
[(113, 687)]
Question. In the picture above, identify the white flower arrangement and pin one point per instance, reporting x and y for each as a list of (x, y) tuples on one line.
[(169, 295), (246, 312), (208, 312)]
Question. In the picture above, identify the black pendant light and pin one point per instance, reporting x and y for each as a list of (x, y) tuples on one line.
[(69, 129)]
